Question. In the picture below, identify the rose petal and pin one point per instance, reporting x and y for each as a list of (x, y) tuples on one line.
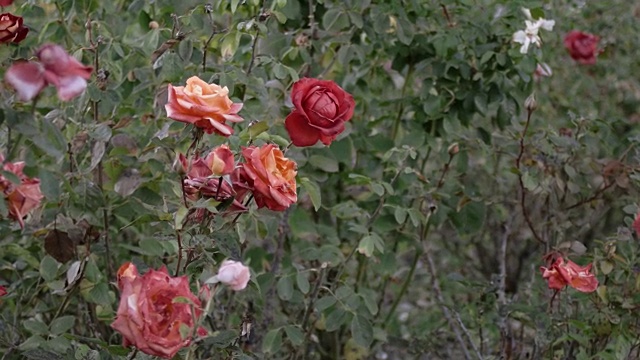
[(27, 78)]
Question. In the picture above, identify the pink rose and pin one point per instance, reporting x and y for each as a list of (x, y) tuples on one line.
[(56, 68), (583, 47), (206, 106), (153, 308), (23, 197), (269, 175), (234, 274), (561, 274)]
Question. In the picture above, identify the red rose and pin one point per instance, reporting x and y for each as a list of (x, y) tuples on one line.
[(11, 28), (583, 47), (320, 109), (153, 308), (578, 277), (269, 175), (6, 2)]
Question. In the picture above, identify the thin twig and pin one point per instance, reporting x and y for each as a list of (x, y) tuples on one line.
[(502, 298), (523, 190), (446, 15), (307, 313), (179, 238)]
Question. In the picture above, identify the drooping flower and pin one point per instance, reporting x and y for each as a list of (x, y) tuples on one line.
[(529, 36), (154, 311), (269, 175), (56, 68), (234, 274), (12, 29), (561, 274), (582, 47), (321, 108), (207, 106), (21, 197)]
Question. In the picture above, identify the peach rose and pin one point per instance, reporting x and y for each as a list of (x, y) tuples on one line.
[(578, 277), (234, 274), (153, 308), (23, 197), (206, 106), (269, 175)]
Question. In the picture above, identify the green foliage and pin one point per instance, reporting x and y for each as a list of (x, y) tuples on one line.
[(400, 245)]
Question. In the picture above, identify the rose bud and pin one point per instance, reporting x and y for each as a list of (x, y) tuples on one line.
[(11, 29), (234, 274), (559, 275)]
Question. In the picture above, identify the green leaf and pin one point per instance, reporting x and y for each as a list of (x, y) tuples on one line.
[(100, 294), (285, 288), (325, 302), (335, 320), (324, 163), (272, 341), (370, 243), (36, 327), (314, 192), (151, 247), (362, 331), (62, 324), (48, 268), (303, 282), (181, 214), (294, 334)]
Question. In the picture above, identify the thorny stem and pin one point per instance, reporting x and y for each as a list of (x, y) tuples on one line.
[(523, 190), (445, 170), (179, 238)]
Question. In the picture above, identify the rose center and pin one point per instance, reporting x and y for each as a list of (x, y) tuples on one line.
[(323, 103)]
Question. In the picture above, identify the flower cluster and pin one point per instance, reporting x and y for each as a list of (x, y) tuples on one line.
[(21, 197)]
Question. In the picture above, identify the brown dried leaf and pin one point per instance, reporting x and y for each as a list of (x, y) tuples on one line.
[(59, 245)]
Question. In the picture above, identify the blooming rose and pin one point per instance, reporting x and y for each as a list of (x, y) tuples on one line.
[(234, 274), (206, 106), (11, 28), (269, 175), (56, 68), (578, 277), (22, 197), (321, 108), (582, 47), (153, 308)]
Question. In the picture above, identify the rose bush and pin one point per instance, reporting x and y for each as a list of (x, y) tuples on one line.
[(234, 274), (11, 28), (207, 106), (56, 68), (561, 274), (582, 47), (269, 175), (153, 309), (321, 108)]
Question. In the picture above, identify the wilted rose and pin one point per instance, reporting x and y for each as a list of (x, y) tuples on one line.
[(321, 108), (56, 68), (561, 274), (583, 47), (234, 274), (155, 311), (22, 197), (269, 175), (11, 28), (206, 106)]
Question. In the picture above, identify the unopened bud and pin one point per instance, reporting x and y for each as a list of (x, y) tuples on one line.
[(530, 103), (153, 25), (453, 149)]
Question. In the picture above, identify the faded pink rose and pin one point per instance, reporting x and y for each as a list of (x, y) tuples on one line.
[(583, 47), (22, 197), (153, 307), (269, 175), (234, 274), (56, 68), (561, 274), (207, 106), (12, 29)]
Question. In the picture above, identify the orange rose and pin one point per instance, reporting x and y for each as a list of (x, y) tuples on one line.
[(153, 308), (578, 277), (206, 106), (269, 175)]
